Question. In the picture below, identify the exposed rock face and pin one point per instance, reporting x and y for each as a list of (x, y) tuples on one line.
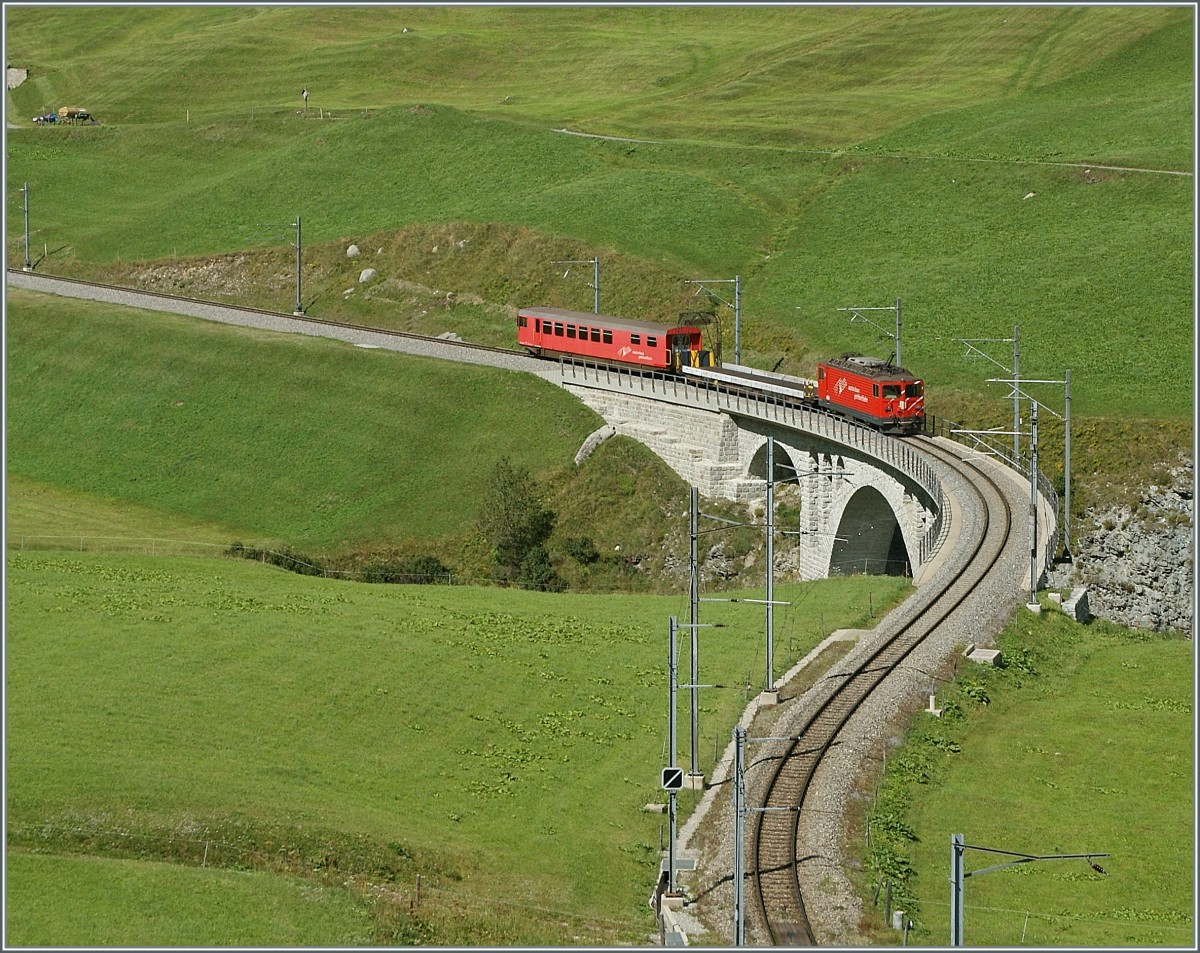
[(1137, 560), (718, 563)]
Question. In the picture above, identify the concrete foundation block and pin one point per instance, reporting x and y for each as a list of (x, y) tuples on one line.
[(1077, 605), (984, 656)]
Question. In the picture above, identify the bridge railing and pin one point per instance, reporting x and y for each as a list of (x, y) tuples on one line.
[(786, 412), (996, 445)]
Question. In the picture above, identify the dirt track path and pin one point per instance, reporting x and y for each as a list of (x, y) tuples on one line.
[(834, 152)]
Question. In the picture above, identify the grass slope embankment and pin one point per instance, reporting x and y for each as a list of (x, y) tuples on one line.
[(42, 515), (500, 743), (105, 902), (277, 437), (1082, 740)]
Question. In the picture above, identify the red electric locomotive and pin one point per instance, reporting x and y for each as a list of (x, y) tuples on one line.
[(873, 391), (557, 332)]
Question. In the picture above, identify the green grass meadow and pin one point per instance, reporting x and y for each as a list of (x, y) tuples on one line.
[(502, 744), (98, 901), (245, 427), (204, 751), (1083, 741)]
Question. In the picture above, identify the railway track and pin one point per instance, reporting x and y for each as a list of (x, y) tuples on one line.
[(180, 304), (356, 333), (776, 852)]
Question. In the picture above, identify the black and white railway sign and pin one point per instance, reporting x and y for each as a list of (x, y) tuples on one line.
[(672, 779)]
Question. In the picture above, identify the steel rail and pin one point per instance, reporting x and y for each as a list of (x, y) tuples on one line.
[(775, 837)]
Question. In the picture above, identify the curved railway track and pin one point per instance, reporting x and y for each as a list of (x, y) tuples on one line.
[(773, 845)]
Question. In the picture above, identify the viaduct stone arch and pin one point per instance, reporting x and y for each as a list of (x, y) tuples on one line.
[(856, 515), (867, 501)]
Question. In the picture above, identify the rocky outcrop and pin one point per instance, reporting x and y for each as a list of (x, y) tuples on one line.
[(1137, 558)]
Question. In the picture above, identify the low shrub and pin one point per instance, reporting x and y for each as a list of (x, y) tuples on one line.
[(582, 549), (285, 558), (408, 570), (393, 568)]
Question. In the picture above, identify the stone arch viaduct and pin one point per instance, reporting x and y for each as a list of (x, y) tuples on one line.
[(869, 502)]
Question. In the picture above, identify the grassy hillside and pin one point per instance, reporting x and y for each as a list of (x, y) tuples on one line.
[(44, 515), (831, 157), (246, 427), (122, 903), (1082, 741), (200, 435), (801, 77), (499, 743), (991, 167)]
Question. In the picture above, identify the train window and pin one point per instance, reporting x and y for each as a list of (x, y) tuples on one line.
[(522, 321), (582, 333), (607, 336), (651, 341), (596, 335), (635, 339), (570, 330), (874, 390), (558, 329), (892, 390), (913, 390), (820, 373)]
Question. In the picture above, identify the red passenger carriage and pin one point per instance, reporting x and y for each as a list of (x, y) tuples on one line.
[(874, 391), (557, 332)]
